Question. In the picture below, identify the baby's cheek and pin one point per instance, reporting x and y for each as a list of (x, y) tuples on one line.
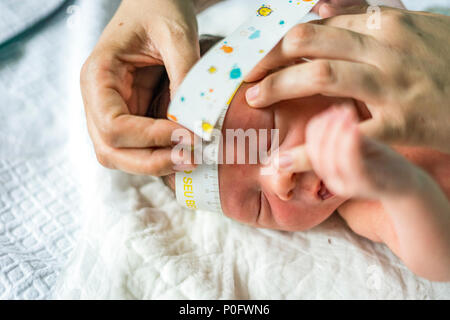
[(239, 215), (300, 217)]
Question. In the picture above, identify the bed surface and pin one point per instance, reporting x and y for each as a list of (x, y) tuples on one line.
[(125, 236), (38, 195)]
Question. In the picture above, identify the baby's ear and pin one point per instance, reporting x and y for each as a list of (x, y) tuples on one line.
[(169, 181), (159, 104), (207, 41)]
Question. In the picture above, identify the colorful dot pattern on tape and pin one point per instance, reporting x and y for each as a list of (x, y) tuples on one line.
[(202, 97)]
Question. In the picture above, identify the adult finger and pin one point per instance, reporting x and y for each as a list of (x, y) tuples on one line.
[(361, 19), (331, 9), (154, 161), (358, 19), (120, 129), (338, 3), (147, 161), (318, 42), (179, 55), (334, 8), (106, 84), (327, 77)]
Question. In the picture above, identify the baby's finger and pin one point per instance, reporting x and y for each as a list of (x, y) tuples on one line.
[(316, 140), (349, 157), (296, 160), (326, 131), (333, 152), (327, 77), (318, 42)]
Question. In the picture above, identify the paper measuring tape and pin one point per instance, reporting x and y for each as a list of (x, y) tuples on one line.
[(199, 188), (202, 100)]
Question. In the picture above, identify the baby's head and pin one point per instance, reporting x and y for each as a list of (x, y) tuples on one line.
[(290, 202)]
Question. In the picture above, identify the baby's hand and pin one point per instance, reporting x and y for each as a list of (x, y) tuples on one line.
[(350, 164)]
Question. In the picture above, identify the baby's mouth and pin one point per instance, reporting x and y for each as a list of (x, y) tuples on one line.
[(323, 192)]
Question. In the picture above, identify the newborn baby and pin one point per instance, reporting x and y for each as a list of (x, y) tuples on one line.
[(300, 201)]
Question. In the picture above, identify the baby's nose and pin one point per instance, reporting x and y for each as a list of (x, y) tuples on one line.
[(281, 184)]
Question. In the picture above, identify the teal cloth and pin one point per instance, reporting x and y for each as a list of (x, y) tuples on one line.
[(18, 17), (440, 10)]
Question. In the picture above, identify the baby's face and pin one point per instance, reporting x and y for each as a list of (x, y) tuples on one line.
[(290, 202), (281, 201)]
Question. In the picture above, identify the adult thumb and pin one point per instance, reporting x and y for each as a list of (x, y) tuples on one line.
[(179, 57)]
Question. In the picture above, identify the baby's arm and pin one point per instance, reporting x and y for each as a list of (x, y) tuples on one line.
[(415, 212), (421, 219)]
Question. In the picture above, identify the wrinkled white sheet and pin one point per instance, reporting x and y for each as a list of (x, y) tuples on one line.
[(17, 16), (137, 243), (39, 195)]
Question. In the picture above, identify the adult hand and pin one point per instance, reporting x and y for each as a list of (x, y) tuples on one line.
[(400, 71), (119, 80)]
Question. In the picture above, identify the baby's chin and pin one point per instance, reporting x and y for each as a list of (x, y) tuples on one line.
[(303, 218), (302, 226)]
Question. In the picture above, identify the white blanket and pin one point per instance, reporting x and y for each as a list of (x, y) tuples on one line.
[(38, 194), (17, 16), (39, 190), (137, 243)]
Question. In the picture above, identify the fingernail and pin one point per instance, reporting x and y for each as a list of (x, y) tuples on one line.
[(185, 158), (177, 140), (183, 143), (252, 93), (184, 167), (285, 161), (346, 114)]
